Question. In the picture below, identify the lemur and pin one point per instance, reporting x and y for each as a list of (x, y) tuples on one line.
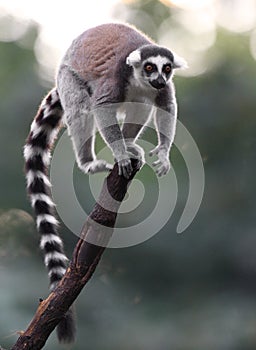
[(103, 69)]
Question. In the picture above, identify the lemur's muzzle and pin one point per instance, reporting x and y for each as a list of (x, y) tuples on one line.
[(158, 83)]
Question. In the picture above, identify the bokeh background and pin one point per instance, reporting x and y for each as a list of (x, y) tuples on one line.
[(192, 291)]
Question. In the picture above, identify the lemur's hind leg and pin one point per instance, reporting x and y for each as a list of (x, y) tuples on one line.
[(75, 99), (82, 133)]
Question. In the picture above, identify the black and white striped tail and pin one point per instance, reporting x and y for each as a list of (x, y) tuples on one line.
[(44, 130)]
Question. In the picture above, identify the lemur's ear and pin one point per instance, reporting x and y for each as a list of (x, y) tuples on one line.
[(134, 58), (179, 62)]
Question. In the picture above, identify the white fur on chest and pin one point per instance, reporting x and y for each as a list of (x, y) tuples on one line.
[(140, 92)]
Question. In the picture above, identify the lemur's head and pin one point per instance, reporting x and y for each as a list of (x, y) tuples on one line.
[(153, 65)]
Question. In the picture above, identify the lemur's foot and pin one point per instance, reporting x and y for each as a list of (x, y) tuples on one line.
[(125, 166), (96, 166), (137, 152), (124, 159)]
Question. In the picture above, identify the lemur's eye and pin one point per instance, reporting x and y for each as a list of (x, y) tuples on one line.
[(167, 68), (148, 67)]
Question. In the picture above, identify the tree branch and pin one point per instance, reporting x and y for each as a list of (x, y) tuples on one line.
[(95, 235)]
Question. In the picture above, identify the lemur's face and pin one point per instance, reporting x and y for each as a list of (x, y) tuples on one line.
[(153, 66), (157, 70)]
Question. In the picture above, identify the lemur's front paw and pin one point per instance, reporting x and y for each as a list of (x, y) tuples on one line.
[(163, 163), (96, 166), (163, 168), (155, 151)]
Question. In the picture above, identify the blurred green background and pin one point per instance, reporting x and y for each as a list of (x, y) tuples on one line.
[(192, 291)]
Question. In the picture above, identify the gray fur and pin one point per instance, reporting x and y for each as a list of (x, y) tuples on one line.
[(103, 73), (102, 69)]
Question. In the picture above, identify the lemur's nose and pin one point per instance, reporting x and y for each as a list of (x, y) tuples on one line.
[(158, 83)]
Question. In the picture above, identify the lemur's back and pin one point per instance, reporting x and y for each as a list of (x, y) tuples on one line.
[(98, 51)]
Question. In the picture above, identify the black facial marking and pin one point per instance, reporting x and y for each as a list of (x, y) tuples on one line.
[(149, 68), (167, 70)]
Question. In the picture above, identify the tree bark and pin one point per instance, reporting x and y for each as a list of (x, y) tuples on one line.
[(94, 238)]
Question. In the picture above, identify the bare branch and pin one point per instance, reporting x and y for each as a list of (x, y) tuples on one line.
[(94, 237)]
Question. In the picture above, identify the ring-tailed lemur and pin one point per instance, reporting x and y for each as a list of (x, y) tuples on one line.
[(103, 68)]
